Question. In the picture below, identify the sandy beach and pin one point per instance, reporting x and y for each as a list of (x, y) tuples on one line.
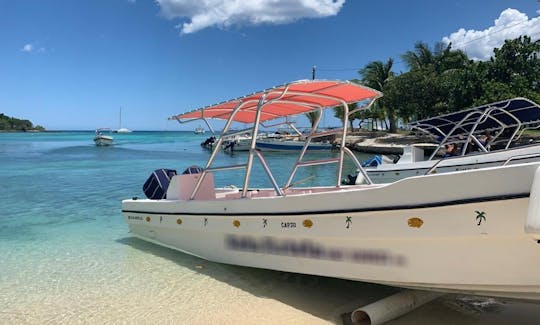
[(155, 285)]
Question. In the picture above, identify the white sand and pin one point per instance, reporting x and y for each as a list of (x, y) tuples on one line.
[(147, 284)]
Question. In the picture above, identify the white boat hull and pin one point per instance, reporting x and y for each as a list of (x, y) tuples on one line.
[(103, 140), (270, 144), (472, 232), (386, 172), (276, 145), (123, 130)]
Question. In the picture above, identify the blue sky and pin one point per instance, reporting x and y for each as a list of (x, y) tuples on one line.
[(71, 65)]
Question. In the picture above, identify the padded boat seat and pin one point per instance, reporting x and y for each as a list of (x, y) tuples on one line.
[(181, 187)]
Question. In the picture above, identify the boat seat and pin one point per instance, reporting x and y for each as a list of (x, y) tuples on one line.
[(182, 186)]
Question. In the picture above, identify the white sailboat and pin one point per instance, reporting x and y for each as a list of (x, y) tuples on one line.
[(120, 128)]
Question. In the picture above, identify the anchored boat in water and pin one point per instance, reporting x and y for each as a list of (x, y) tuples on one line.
[(481, 137), (474, 232), (103, 137)]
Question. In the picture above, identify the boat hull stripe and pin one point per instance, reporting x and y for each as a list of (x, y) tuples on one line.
[(373, 209)]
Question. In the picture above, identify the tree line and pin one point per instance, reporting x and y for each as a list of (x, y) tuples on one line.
[(8, 123), (442, 80)]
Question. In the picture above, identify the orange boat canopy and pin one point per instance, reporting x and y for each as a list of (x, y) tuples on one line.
[(294, 98)]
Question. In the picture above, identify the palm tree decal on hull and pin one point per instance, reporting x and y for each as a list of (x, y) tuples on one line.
[(480, 216)]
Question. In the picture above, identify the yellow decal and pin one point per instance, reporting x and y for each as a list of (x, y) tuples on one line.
[(148, 219), (236, 223), (179, 221), (308, 223), (415, 222)]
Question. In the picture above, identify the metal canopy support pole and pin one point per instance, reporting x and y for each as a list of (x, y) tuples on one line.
[(458, 125), (303, 151), (209, 126), (214, 153), (254, 134), (342, 144), (279, 192)]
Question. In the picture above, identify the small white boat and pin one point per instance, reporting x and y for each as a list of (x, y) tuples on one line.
[(474, 232), (236, 142), (483, 136), (199, 130), (283, 140), (278, 141), (103, 137)]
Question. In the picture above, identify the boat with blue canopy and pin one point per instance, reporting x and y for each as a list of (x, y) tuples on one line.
[(479, 137)]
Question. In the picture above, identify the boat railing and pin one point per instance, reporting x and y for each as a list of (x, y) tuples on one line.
[(358, 165), (506, 162), (278, 190), (269, 97), (532, 155)]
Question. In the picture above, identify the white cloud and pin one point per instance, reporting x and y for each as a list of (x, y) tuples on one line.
[(479, 44), (32, 48), (27, 48), (223, 13)]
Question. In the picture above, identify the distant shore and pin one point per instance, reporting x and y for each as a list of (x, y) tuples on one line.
[(22, 131)]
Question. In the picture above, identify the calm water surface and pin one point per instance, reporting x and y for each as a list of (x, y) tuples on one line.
[(66, 255)]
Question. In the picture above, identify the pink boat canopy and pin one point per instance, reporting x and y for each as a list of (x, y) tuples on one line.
[(294, 98)]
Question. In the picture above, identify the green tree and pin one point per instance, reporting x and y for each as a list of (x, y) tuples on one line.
[(377, 75), (339, 113), (513, 71), (434, 83), (8, 123)]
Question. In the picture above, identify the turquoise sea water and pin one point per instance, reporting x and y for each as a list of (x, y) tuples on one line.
[(66, 255)]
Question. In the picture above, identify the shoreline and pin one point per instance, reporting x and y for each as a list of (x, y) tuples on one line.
[(386, 143)]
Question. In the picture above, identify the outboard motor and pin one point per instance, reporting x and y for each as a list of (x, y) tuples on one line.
[(155, 187), (209, 142), (193, 170)]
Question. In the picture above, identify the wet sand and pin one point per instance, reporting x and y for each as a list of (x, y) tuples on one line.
[(155, 285)]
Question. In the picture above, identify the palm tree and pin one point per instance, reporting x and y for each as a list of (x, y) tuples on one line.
[(312, 117), (421, 57), (339, 111), (376, 75)]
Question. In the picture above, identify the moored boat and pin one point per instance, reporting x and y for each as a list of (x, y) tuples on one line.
[(483, 136), (199, 130), (474, 231), (103, 137)]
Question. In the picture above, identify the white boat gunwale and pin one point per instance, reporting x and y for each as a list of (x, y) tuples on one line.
[(367, 209)]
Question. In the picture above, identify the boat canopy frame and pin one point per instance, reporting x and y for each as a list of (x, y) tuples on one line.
[(294, 98), (499, 118)]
